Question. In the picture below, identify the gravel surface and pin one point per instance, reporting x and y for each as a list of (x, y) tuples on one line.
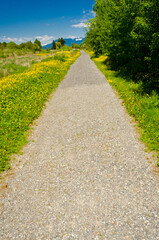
[(85, 175)]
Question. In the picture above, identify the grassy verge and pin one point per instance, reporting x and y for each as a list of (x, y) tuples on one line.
[(22, 99), (142, 106)]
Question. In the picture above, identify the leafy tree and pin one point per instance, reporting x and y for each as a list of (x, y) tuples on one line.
[(128, 32), (53, 45), (38, 43), (3, 45), (29, 45), (12, 45), (62, 41), (58, 45), (72, 45), (22, 45)]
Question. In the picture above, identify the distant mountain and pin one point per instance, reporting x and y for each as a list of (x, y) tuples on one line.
[(68, 42)]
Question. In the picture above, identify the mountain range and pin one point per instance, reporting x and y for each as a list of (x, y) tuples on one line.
[(68, 42)]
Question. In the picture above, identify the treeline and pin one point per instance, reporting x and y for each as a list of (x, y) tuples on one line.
[(36, 46), (61, 42), (128, 32)]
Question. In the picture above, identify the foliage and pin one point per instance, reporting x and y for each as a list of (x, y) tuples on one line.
[(11, 68), (22, 99), (17, 64), (3, 45), (75, 45), (143, 107), (53, 45), (12, 45), (58, 45), (65, 48), (26, 46), (38, 44), (62, 41), (128, 32), (61, 57)]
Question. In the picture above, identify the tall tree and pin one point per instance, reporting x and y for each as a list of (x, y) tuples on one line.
[(128, 32), (58, 44), (62, 41), (38, 44), (53, 45)]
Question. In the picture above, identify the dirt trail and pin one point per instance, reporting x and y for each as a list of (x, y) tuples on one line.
[(85, 176)]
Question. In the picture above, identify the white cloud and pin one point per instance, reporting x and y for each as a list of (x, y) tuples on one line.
[(79, 25), (15, 39), (70, 36), (45, 39), (87, 14), (78, 39)]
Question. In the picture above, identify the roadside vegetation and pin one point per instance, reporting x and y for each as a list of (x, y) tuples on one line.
[(22, 99), (128, 33), (142, 106), (124, 37), (17, 64), (16, 58)]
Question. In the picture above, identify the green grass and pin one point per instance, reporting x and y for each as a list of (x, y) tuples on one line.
[(142, 106), (22, 100), (11, 68), (17, 64), (58, 56), (5, 53)]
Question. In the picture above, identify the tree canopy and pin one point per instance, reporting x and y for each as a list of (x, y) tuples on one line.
[(53, 45), (128, 32), (62, 41)]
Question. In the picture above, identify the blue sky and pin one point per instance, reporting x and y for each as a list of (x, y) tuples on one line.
[(46, 20)]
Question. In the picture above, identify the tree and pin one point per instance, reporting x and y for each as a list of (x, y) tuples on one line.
[(128, 33), (3, 45), (22, 45), (29, 45), (38, 44), (62, 41), (58, 45), (72, 45), (12, 45), (53, 45)]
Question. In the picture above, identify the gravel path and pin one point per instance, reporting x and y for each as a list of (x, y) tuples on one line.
[(85, 175)]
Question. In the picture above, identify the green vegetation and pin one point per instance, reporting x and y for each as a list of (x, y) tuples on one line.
[(126, 36), (13, 49), (11, 68), (128, 33), (22, 99), (58, 56), (53, 45), (62, 41), (142, 106), (75, 45), (18, 64), (59, 44)]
